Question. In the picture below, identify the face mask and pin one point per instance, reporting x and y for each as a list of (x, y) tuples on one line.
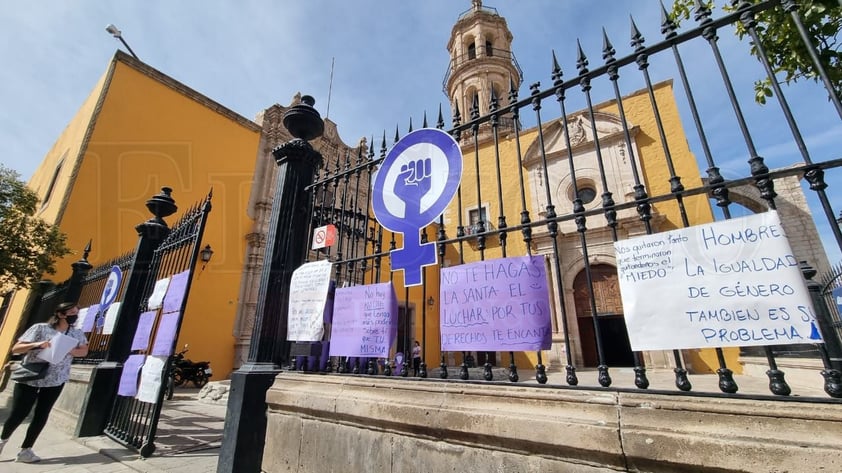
[(71, 319)]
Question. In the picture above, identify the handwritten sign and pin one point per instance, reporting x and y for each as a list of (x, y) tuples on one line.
[(166, 334), (83, 316), (144, 330), (496, 305), (128, 378), (365, 321), (176, 291), (729, 283), (158, 292), (151, 379), (308, 294), (87, 324), (111, 318)]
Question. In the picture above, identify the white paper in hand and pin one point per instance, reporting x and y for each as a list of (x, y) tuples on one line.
[(60, 346)]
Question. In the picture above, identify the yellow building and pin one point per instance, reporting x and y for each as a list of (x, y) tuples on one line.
[(140, 130)]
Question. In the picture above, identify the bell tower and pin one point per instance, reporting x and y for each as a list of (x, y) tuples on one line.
[(481, 59)]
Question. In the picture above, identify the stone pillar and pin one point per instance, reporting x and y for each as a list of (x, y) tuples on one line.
[(286, 248), (102, 389)]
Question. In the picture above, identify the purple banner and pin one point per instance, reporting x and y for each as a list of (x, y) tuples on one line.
[(496, 305), (165, 336), (144, 330), (176, 291), (128, 379), (90, 318), (365, 321)]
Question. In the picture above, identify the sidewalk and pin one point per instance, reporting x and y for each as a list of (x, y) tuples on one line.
[(188, 440)]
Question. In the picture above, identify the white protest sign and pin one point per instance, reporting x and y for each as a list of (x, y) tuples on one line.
[(156, 299), (111, 318), (729, 283), (151, 379), (83, 315), (308, 293)]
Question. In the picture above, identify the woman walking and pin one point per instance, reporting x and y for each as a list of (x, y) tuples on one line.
[(42, 393)]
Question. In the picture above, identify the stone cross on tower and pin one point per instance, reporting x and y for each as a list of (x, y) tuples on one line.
[(477, 4)]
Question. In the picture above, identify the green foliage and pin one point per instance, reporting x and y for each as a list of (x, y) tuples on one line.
[(28, 245), (784, 47)]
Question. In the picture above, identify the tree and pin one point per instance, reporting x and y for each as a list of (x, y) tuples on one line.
[(28, 245), (784, 47)]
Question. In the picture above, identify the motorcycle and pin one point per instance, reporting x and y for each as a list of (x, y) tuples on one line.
[(183, 370)]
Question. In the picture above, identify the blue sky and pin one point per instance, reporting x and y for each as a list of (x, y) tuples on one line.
[(390, 59)]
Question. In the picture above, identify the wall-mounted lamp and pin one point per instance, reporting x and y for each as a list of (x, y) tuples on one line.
[(206, 254), (115, 32), (431, 302)]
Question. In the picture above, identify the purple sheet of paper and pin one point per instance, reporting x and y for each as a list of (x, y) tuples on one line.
[(176, 291), (144, 330), (365, 321), (165, 336), (496, 305), (88, 323), (128, 379)]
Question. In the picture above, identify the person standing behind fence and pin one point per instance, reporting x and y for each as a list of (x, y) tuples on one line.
[(416, 358), (42, 393)]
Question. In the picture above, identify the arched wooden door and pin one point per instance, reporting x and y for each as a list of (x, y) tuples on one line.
[(609, 309)]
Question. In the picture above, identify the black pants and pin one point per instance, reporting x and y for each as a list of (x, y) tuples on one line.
[(416, 366), (23, 398)]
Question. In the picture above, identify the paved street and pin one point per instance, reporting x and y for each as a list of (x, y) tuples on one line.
[(188, 440)]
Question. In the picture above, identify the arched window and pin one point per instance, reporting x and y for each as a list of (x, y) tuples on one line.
[(472, 51), (489, 50)]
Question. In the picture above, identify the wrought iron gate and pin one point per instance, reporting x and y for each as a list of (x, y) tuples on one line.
[(579, 206), (132, 422)]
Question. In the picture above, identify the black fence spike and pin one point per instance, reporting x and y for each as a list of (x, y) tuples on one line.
[(636, 38), (383, 145), (475, 107), (556, 75), (440, 120), (457, 117), (410, 125), (702, 13), (581, 59), (492, 102), (668, 26), (512, 90), (424, 123), (608, 50)]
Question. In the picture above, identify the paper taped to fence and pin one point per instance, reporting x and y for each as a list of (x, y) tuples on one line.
[(128, 377), (309, 289), (365, 321), (495, 305), (151, 379), (729, 283)]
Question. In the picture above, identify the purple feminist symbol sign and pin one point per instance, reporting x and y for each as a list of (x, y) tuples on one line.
[(413, 186)]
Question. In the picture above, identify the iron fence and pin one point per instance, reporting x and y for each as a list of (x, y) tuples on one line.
[(585, 206), (93, 285), (133, 422)]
